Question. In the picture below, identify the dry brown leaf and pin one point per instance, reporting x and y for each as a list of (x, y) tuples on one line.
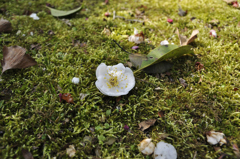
[(14, 57), (26, 154), (199, 66), (184, 40), (67, 97), (146, 124), (5, 26)]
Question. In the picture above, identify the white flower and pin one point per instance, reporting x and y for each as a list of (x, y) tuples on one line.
[(34, 16), (165, 151), (164, 42), (114, 80), (71, 151), (75, 80), (215, 137), (146, 146), (136, 38)]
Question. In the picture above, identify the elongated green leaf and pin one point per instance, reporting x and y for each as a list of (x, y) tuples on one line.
[(137, 59), (61, 13), (164, 52)]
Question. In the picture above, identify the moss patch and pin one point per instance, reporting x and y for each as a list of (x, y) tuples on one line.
[(32, 117)]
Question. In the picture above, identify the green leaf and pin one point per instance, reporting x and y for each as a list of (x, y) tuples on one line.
[(162, 53), (61, 13)]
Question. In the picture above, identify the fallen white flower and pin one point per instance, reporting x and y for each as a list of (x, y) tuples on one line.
[(164, 42), (146, 146), (136, 38), (214, 138), (165, 151), (75, 80), (71, 151), (114, 80), (34, 16)]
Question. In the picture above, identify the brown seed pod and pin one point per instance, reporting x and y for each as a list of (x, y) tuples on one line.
[(5, 26)]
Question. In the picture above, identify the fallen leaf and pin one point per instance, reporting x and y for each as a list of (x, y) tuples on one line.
[(14, 57), (200, 80), (236, 150), (26, 154), (184, 40), (67, 97), (110, 140), (67, 21), (160, 67), (5, 26), (214, 22), (181, 12), (61, 13), (146, 124), (183, 82), (106, 32), (87, 139), (98, 152), (158, 55), (199, 66), (163, 136), (161, 114), (82, 96), (71, 151), (35, 47)]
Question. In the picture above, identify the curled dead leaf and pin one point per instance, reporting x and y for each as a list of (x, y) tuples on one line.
[(5, 26), (184, 40), (14, 57), (199, 66), (67, 97), (26, 154), (146, 124)]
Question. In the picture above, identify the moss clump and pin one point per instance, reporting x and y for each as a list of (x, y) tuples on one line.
[(32, 117)]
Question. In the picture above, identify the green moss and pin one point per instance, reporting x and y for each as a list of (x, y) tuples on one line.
[(32, 117)]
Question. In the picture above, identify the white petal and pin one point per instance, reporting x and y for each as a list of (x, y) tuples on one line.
[(135, 31), (164, 42), (75, 80), (34, 16), (101, 70), (119, 67)]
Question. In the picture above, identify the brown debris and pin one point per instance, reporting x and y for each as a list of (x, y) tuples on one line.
[(14, 57), (184, 40), (146, 124), (5, 26), (199, 66), (67, 97)]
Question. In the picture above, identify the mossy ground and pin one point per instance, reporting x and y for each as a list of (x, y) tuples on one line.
[(32, 117)]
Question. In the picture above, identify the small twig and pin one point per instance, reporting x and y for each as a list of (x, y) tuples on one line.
[(134, 20), (147, 82), (121, 47), (121, 17)]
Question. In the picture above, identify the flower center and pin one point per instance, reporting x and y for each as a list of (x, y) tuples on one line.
[(113, 80)]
